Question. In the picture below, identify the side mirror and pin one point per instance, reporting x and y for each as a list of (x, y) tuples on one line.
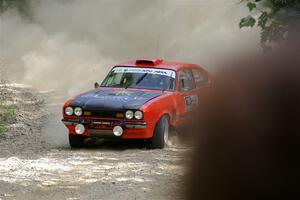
[(96, 85)]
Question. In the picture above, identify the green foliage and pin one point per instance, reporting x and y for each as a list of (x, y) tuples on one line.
[(262, 20), (272, 17), (3, 129), (23, 6), (7, 116), (251, 6), (248, 21)]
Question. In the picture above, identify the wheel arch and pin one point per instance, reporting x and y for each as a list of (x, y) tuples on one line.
[(165, 113)]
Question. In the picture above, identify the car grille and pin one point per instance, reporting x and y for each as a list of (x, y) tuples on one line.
[(104, 114)]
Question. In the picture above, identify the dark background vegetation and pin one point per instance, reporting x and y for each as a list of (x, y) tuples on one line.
[(250, 132), (21, 5), (249, 124)]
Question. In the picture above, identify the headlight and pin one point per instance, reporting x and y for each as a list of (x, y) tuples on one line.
[(138, 114), (69, 111), (78, 111), (129, 114)]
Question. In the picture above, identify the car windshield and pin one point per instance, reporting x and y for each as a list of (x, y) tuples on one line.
[(145, 78)]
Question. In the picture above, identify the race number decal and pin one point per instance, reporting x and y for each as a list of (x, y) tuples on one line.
[(191, 103)]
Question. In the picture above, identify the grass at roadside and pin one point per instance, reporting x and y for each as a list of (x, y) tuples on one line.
[(7, 117)]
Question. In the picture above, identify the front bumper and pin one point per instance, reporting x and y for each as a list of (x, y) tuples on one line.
[(103, 128), (123, 124)]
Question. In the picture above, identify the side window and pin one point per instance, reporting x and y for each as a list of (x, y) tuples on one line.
[(200, 78), (186, 80), (113, 79), (116, 79)]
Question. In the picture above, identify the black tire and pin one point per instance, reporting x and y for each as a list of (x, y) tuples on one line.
[(161, 133), (76, 141)]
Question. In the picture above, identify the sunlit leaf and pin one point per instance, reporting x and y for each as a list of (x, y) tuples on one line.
[(251, 6), (248, 21), (262, 20)]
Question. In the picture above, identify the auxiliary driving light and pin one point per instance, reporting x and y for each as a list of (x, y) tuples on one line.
[(118, 131), (79, 129)]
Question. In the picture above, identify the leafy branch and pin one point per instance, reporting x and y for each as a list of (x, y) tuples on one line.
[(272, 17)]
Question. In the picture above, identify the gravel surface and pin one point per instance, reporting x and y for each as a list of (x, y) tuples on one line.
[(37, 163)]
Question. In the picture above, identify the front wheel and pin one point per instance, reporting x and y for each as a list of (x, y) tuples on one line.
[(161, 133), (76, 141)]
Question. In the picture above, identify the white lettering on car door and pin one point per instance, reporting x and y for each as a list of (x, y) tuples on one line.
[(191, 103)]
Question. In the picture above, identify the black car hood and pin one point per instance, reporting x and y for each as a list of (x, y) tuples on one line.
[(115, 99)]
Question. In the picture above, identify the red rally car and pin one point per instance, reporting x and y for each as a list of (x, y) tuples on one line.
[(142, 99)]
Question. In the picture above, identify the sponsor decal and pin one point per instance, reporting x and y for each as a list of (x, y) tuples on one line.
[(191, 102), (87, 113), (120, 115), (163, 72)]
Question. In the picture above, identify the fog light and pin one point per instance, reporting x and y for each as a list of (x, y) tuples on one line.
[(79, 129), (118, 131)]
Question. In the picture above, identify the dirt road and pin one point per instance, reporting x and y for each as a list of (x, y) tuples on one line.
[(37, 163)]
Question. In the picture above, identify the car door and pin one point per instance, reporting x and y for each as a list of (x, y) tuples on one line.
[(187, 98)]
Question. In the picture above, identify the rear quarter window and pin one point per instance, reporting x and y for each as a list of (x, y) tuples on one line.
[(200, 77)]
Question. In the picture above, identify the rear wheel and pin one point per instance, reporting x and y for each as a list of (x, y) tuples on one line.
[(161, 133), (76, 141)]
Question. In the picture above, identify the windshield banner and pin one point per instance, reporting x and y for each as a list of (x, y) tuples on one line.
[(163, 72)]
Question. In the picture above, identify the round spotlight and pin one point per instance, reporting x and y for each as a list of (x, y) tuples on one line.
[(129, 114), (138, 114), (118, 131), (69, 111), (79, 129), (78, 111)]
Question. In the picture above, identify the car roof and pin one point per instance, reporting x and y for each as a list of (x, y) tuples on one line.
[(158, 63)]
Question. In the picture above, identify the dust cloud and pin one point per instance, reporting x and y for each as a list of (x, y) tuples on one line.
[(68, 45)]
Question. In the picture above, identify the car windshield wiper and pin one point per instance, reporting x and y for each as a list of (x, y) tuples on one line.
[(141, 78)]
